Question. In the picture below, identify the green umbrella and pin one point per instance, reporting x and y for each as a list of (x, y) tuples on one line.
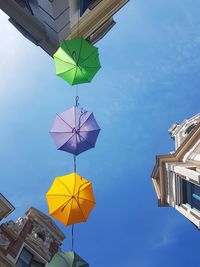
[(77, 61), (70, 259)]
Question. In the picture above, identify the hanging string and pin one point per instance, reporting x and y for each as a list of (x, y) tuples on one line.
[(74, 163), (77, 59), (77, 97), (76, 105), (72, 237), (78, 13), (72, 200), (77, 101), (78, 33)]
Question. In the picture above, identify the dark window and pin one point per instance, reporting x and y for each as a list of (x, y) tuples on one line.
[(184, 190), (25, 259), (190, 128), (84, 4), (24, 4), (41, 236), (191, 194)]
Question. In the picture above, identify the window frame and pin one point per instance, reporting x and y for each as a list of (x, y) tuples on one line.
[(32, 252), (32, 256), (189, 196)]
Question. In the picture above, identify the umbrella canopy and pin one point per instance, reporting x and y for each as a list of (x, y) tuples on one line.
[(77, 61), (70, 259), (75, 130), (70, 199)]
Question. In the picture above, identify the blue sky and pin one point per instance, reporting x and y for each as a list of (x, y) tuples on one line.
[(150, 79)]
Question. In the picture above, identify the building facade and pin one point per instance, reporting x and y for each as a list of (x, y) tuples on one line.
[(31, 241), (5, 207), (47, 23), (176, 176)]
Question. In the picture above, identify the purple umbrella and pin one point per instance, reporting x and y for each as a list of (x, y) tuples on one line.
[(75, 130)]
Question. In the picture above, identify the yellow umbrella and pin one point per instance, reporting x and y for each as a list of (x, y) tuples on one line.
[(70, 199)]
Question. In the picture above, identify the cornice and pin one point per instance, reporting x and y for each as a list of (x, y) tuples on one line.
[(89, 23), (174, 157), (6, 207), (40, 217)]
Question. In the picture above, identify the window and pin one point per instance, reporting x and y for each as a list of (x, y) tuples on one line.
[(26, 259), (24, 4), (191, 194), (190, 128), (41, 236), (84, 4)]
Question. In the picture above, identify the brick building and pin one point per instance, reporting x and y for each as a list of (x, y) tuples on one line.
[(31, 241)]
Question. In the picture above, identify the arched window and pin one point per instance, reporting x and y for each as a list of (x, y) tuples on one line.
[(190, 128), (41, 236)]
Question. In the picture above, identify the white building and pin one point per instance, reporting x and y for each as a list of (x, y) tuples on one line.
[(47, 22), (176, 176)]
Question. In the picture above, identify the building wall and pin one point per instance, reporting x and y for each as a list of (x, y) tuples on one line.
[(48, 23), (176, 176), (175, 194), (5, 207), (35, 233), (179, 132), (54, 15)]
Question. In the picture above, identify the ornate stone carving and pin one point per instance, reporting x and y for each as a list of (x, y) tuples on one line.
[(48, 240), (4, 241), (39, 245), (180, 131), (45, 221), (20, 222), (42, 236), (13, 227)]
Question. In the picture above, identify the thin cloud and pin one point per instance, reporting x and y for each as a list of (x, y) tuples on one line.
[(166, 235)]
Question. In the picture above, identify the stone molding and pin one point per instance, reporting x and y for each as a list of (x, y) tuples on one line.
[(5, 207)]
